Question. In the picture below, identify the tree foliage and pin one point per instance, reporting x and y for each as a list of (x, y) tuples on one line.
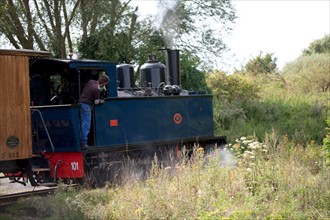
[(43, 25), (231, 87), (309, 73), (53, 26), (262, 64), (319, 46), (191, 77), (198, 26), (113, 26), (229, 91), (111, 30), (180, 24)]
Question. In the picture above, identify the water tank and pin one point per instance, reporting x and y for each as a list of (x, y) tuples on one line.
[(125, 76), (152, 72)]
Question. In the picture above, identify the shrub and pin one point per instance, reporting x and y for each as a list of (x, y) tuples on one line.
[(309, 74), (326, 145), (301, 121)]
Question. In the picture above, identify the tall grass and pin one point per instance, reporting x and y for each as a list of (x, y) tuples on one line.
[(276, 179), (302, 118)]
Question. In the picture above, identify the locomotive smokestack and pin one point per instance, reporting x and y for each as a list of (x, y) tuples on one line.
[(173, 67)]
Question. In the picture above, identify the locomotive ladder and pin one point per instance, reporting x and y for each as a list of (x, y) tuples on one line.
[(35, 172)]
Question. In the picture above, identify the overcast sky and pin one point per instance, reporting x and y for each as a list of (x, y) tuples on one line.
[(282, 27)]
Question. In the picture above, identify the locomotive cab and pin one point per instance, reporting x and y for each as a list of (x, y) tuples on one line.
[(66, 80)]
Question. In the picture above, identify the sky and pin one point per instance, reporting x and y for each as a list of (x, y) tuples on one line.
[(281, 27)]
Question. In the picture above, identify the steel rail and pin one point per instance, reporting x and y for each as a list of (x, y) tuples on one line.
[(9, 199)]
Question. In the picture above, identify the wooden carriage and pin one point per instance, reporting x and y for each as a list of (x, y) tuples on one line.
[(15, 116)]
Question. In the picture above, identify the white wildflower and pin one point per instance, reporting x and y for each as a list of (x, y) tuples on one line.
[(246, 141), (252, 146)]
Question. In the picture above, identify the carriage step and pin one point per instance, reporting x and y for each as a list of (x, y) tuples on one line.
[(40, 169)]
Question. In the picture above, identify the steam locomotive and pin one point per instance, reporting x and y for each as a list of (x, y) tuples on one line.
[(40, 141)]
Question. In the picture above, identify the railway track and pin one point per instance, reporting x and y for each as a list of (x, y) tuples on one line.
[(10, 199)]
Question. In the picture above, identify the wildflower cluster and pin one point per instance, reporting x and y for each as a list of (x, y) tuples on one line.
[(247, 151), (247, 147), (251, 155), (255, 150)]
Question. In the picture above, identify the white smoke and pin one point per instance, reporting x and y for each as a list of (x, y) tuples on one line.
[(167, 23), (162, 8), (158, 10), (227, 159)]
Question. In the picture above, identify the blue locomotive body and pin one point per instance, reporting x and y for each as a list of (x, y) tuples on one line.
[(155, 114), (153, 120), (133, 121), (123, 121)]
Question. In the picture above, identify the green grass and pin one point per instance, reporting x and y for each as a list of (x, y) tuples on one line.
[(276, 179)]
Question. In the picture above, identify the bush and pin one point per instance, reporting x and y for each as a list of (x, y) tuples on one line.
[(231, 87), (309, 74), (300, 121), (326, 145)]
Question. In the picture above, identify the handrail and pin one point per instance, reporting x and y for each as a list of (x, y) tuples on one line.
[(44, 124), (59, 162)]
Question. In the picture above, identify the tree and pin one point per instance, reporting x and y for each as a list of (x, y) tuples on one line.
[(262, 64), (180, 24), (310, 73), (43, 25), (231, 87), (111, 30), (265, 66), (50, 25), (230, 92), (198, 26), (184, 25), (192, 78), (319, 46)]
